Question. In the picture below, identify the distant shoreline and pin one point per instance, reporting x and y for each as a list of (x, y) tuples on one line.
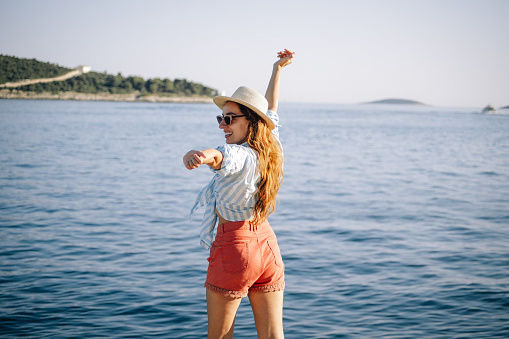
[(132, 97), (396, 102)]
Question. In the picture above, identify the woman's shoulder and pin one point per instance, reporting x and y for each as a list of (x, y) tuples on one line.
[(235, 149), (235, 158)]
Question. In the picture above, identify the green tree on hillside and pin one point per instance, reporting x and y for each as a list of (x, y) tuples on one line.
[(138, 83)]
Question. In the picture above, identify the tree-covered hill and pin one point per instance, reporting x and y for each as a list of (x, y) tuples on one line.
[(14, 69), (93, 82)]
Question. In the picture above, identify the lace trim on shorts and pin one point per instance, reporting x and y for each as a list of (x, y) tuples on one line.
[(226, 293), (269, 288)]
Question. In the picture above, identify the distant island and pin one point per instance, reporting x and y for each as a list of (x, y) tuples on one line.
[(32, 79), (396, 102)]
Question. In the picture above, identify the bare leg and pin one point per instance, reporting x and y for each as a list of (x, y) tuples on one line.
[(221, 312), (268, 314)]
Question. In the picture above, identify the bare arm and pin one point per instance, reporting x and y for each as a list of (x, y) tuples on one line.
[(212, 157), (272, 94)]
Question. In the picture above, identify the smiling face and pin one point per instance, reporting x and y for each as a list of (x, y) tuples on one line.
[(236, 132)]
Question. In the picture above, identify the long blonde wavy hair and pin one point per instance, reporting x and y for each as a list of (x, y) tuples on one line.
[(270, 160)]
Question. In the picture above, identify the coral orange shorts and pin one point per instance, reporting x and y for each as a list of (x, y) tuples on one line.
[(245, 258)]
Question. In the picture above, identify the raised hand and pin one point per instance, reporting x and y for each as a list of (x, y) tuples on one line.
[(285, 57)]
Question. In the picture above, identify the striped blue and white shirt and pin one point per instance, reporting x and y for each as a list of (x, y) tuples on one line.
[(232, 190)]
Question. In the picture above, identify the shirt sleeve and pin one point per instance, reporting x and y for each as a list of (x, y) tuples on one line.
[(235, 157), (275, 119)]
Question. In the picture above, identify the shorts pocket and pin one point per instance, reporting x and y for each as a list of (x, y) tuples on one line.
[(274, 247), (235, 256)]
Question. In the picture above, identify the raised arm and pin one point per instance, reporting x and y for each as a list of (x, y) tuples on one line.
[(272, 94)]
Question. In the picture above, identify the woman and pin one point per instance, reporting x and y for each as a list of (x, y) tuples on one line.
[(244, 257)]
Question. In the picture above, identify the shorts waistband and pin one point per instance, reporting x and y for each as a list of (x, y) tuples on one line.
[(242, 225)]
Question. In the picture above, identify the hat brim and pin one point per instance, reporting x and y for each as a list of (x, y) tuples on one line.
[(220, 101)]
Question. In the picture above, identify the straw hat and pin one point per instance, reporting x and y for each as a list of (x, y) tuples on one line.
[(249, 98)]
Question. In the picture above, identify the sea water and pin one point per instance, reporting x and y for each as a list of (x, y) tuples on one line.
[(393, 221)]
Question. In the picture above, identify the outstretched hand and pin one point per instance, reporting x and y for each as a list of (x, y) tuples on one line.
[(194, 159), (285, 58)]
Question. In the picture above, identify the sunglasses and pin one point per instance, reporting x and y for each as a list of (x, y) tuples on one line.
[(228, 119)]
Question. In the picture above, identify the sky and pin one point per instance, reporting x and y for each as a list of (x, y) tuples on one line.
[(439, 52)]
